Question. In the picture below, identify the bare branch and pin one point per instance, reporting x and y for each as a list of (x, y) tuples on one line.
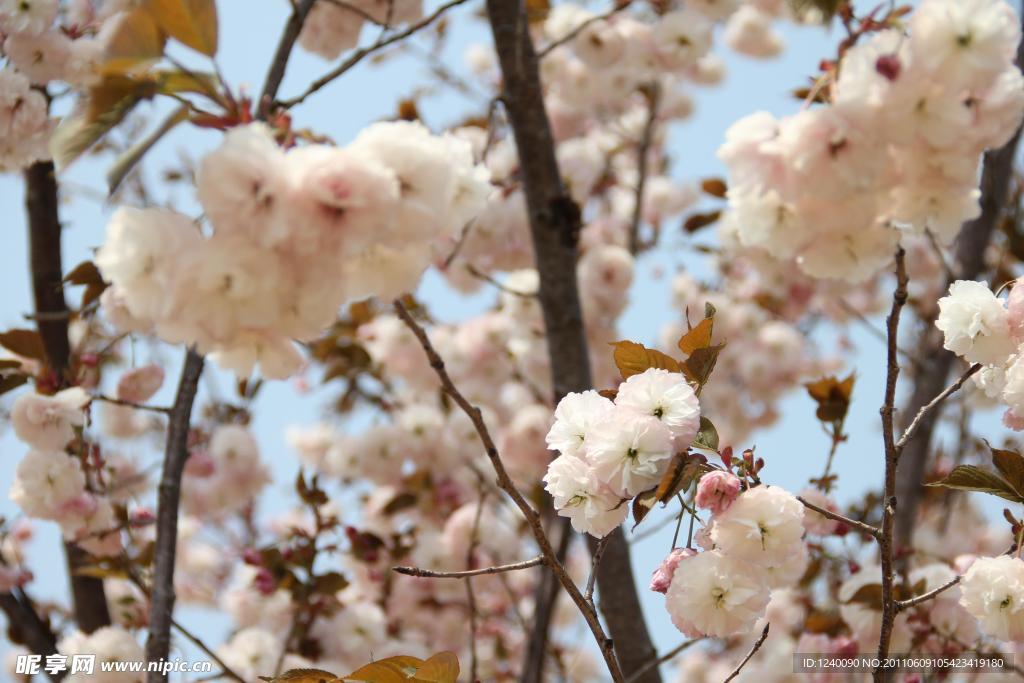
[(430, 574), (279, 64), (506, 484), (943, 395), (23, 618), (886, 541), (131, 404), (750, 655), (872, 531), (925, 597), (653, 93), (594, 564), (161, 609), (364, 52)]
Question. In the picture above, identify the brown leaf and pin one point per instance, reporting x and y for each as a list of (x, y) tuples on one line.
[(681, 473), (715, 187), (11, 382), (537, 10), (391, 670), (642, 504), (302, 676), (191, 22), (136, 42), (832, 396), (698, 337), (971, 478), (1011, 465), (440, 668), (25, 343), (869, 595), (609, 394), (632, 359), (85, 273), (701, 363), (701, 220)]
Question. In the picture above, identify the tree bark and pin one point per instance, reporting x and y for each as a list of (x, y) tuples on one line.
[(554, 226), (41, 202), (932, 376), (35, 633)]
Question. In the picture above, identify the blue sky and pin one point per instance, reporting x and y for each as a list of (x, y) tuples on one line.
[(795, 448)]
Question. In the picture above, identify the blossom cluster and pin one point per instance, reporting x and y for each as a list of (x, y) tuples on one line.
[(895, 147), (331, 28), (981, 328), (294, 235), (614, 450)]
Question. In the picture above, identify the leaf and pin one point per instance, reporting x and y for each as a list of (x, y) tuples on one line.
[(609, 394), (537, 10), (101, 108), (25, 343), (642, 504), (681, 473), (302, 676), (85, 273), (133, 155), (715, 187), (1011, 465), (869, 595), (191, 22), (632, 359), (832, 396), (707, 436), (698, 337), (330, 583), (701, 220), (971, 478), (440, 668), (11, 382), (701, 363), (98, 571), (136, 42), (391, 670)]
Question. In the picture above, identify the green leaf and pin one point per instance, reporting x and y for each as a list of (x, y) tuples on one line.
[(191, 22), (971, 478), (707, 437), (131, 156)]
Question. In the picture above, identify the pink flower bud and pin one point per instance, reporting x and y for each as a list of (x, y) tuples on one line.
[(662, 577), (889, 67), (717, 490), (264, 581), (140, 384), (83, 504)]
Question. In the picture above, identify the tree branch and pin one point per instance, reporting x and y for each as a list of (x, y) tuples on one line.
[(862, 527), (750, 655), (667, 657), (279, 64), (554, 228), (925, 597), (931, 405), (35, 633), (886, 541), (653, 93), (429, 574), (161, 611), (506, 484), (89, 600)]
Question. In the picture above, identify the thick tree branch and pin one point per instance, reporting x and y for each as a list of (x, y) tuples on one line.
[(885, 541), (554, 226), (499, 569), (279, 64), (41, 201), (505, 483), (34, 632), (161, 611), (997, 171)]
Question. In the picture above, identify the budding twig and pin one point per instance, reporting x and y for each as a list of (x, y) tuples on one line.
[(864, 528), (750, 655)]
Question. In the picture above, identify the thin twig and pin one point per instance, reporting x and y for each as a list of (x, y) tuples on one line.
[(594, 564), (667, 657), (131, 404), (470, 595), (279, 63), (484, 277), (360, 54), (750, 655), (867, 529), (506, 484), (943, 395), (580, 28), (886, 540), (925, 597), (430, 574), (198, 642)]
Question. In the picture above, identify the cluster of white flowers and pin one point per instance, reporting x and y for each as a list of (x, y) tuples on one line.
[(49, 483), (613, 450), (108, 644), (981, 328), (225, 476), (331, 28), (294, 235), (896, 147), (753, 544), (992, 590)]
